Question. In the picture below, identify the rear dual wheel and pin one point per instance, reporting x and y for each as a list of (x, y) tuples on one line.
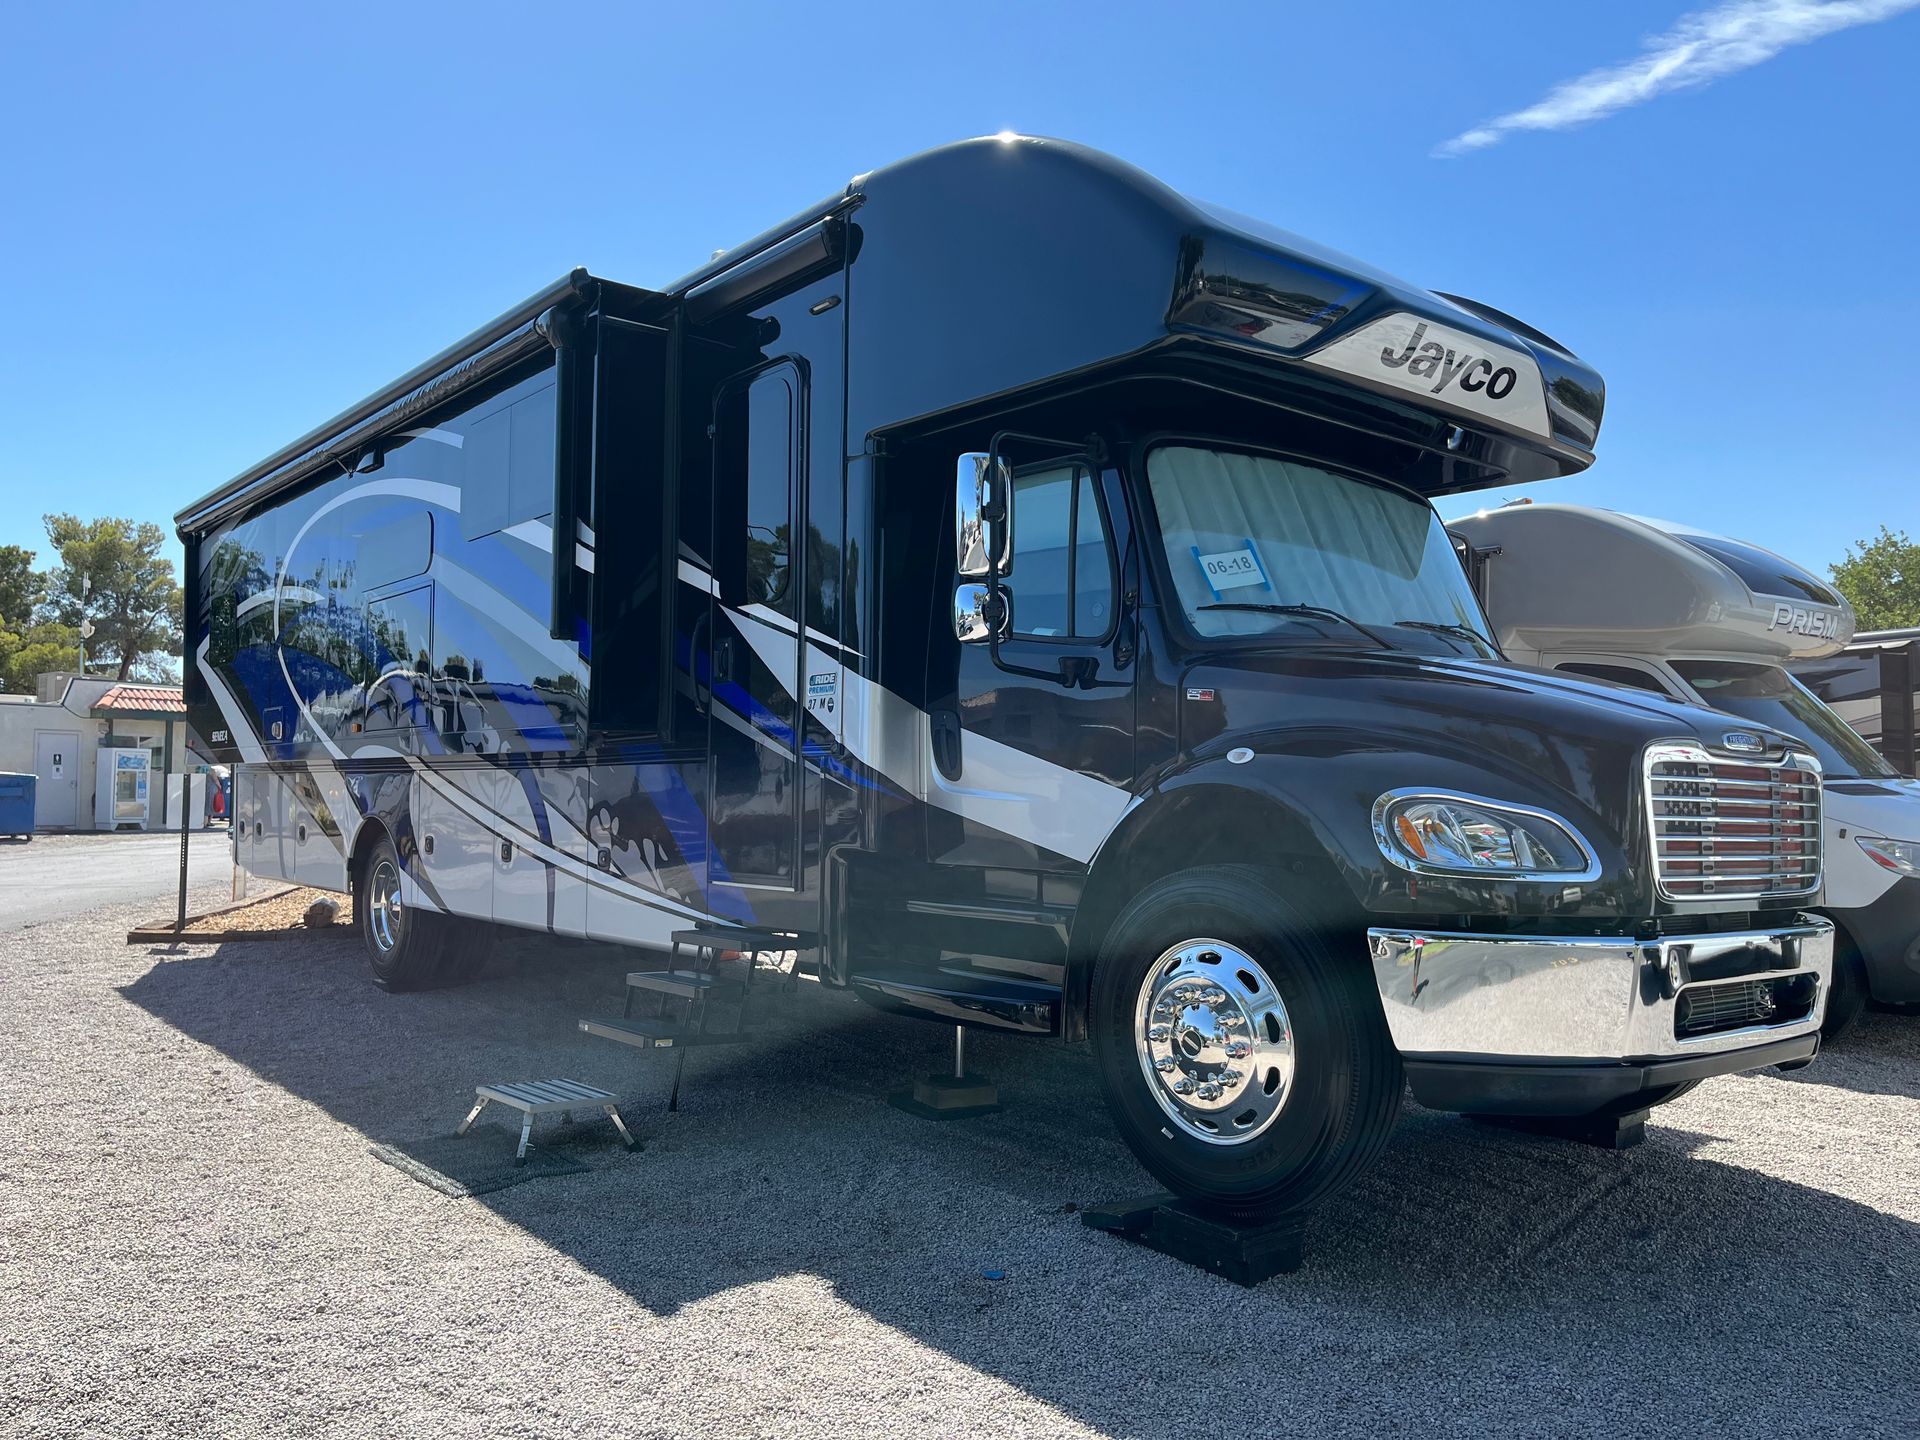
[(1246, 1063)]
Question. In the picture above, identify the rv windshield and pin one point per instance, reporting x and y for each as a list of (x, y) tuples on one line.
[(1767, 695), (1263, 546)]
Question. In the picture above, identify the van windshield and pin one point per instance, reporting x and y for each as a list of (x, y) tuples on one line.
[(1258, 545), (1767, 695)]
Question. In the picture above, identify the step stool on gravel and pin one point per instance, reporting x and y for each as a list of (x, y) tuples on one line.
[(544, 1097), (702, 998)]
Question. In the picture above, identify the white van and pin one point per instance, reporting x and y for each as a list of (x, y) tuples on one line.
[(1713, 621)]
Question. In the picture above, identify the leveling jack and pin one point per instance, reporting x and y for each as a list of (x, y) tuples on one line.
[(958, 1096)]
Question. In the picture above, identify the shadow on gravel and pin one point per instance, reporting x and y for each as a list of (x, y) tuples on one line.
[(1475, 1279), (1878, 1055)]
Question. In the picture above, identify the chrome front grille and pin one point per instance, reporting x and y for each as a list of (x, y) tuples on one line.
[(1733, 829)]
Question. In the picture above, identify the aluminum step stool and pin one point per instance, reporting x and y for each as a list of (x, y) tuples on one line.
[(543, 1097)]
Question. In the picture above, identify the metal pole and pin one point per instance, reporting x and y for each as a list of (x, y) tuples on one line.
[(959, 1052), (186, 793)]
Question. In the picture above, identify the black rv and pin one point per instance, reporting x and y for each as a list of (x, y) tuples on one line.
[(1012, 587)]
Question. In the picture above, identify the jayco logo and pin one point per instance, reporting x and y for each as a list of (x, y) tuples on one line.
[(1426, 361)]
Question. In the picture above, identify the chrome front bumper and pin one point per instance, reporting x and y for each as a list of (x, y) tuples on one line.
[(1557, 999)]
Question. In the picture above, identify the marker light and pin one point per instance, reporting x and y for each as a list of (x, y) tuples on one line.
[(1900, 856)]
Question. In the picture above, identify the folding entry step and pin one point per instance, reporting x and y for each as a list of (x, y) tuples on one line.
[(700, 998), (646, 1032)]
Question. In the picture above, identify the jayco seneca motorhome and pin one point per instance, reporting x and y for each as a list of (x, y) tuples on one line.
[(1712, 621), (1014, 586)]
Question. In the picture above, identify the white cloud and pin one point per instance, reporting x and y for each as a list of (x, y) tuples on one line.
[(1699, 49)]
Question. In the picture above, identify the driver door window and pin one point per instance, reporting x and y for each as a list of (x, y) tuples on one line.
[(1061, 578)]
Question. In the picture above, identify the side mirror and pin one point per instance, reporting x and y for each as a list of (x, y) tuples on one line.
[(978, 612), (983, 516)]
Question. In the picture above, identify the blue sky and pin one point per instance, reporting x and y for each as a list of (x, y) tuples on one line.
[(220, 225)]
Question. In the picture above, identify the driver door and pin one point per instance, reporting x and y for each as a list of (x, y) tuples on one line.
[(1033, 762)]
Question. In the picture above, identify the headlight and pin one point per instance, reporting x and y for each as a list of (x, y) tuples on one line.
[(1439, 833), (1900, 856)]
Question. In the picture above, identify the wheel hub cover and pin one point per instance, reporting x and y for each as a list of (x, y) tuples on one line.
[(1214, 1041)]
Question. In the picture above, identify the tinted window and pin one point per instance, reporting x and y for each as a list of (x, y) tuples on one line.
[(1618, 674), (397, 549), (1766, 695), (1061, 578), (1761, 571), (400, 636), (506, 455), (753, 491)]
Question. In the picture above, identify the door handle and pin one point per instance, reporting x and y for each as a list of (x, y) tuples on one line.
[(945, 728), (506, 852), (702, 693)]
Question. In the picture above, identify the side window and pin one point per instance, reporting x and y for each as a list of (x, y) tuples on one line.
[(756, 441), (1061, 573), (507, 458), (1618, 674), (400, 636)]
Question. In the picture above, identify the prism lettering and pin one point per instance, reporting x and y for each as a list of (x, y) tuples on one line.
[(1798, 620)]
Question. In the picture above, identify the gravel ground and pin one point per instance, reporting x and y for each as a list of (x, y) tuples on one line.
[(285, 909), (194, 1240)]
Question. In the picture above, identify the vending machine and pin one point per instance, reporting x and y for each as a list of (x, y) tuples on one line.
[(120, 789)]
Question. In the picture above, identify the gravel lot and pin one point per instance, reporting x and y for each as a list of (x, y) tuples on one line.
[(194, 1240)]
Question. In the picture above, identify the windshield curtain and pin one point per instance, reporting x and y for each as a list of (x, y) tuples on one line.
[(1243, 529), (1767, 695)]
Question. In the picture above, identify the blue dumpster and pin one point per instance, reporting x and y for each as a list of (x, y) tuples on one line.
[(16, 804)]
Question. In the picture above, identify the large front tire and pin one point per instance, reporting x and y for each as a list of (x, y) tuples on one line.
[(1247, 1064), (1847, 994)]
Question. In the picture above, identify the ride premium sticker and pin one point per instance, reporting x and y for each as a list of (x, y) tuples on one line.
[(1443, 366)]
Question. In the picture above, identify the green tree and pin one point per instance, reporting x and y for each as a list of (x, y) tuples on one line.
[(33, 649), (133, 600), (20, 588), (1882, 580)]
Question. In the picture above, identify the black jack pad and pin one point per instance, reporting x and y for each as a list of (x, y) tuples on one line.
[(1608, 1132), (948, 1097), (1234, 1250)]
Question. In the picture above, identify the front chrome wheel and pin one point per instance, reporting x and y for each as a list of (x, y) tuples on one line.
[(1214, 1041), (385, 914)]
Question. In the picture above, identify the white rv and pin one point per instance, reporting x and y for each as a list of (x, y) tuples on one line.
[(1712, 621)]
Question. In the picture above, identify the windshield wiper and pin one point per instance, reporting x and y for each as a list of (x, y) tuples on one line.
[(1317, 612), (1448, 627)]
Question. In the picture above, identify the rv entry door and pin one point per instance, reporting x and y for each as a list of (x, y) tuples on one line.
[(754, 714)]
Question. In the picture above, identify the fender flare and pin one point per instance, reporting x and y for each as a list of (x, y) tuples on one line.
[(1178, 824)]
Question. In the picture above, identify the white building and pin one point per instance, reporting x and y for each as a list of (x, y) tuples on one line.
[(57, 735)]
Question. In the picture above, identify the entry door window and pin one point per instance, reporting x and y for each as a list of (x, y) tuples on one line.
[(754, 529), (754, 716)]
